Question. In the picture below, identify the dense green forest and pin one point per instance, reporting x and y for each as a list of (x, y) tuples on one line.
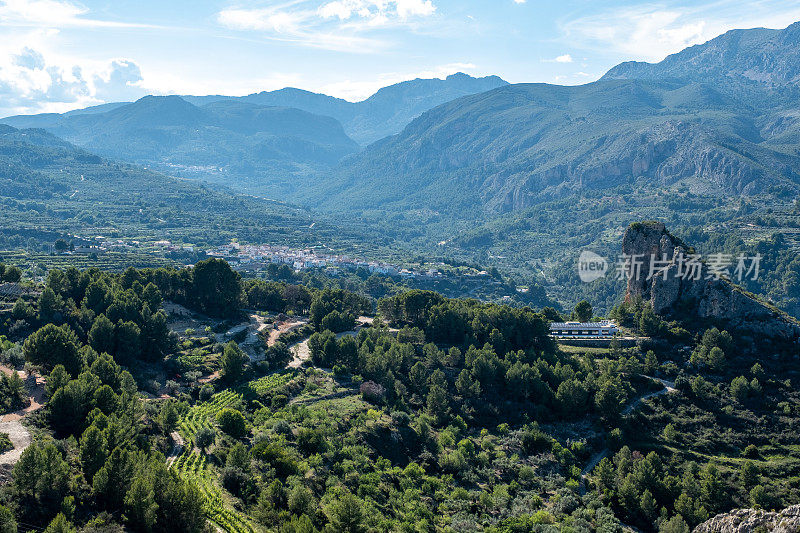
[(438, 414)]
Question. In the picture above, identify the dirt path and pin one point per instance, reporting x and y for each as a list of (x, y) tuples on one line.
[(11, 423), (283, 327), (177, 447), (36, 391), (20, 438), (300, 354), (209, 378), (668, 388)]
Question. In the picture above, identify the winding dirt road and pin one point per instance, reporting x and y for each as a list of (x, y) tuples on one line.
[(668, 388)]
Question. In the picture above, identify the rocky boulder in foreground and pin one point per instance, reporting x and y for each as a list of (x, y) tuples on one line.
[(752, 521)]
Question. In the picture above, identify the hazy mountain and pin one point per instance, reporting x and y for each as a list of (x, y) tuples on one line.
[(384, 113), (267, 143), (227, 141), (390, 109)]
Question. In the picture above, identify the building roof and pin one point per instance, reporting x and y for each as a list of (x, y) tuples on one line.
[(582, 325)]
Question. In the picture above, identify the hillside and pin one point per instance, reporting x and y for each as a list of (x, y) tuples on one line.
[(49, 189), (228, 142), (509, 148), (454, 413), (529, 174), (267, 143)]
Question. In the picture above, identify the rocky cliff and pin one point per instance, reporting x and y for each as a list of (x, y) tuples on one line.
[(760, 55), (753, 521), (700, 295)]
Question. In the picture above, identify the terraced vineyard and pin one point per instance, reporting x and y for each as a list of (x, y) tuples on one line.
[(192, 465), (111, 261), (267, 384), (202, 415)]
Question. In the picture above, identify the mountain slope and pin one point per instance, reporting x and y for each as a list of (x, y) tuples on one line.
[(721, 117), (49, 187), (387, 111), (384, 113), (509, 148), (230, 142)]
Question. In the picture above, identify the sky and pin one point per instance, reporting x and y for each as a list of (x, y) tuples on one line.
[(57, 55)]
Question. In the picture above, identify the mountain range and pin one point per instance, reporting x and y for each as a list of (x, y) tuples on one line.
[(384, 113), (265, 143), (223, 141), (719, 118)]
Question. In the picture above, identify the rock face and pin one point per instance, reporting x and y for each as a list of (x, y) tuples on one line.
[(752, 521), (700, 295), (763, 56)]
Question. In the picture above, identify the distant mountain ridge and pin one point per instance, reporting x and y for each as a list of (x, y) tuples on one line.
[(688, 121), (384, 113), (268, 143), (760, 55)]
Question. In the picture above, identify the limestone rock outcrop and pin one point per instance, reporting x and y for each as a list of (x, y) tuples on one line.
[(753, 521), (702, 295)]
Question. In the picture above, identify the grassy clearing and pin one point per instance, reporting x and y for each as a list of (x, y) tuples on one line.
[(590, 350)]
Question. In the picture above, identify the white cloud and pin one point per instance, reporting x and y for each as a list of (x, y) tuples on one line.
[(295, 26), (36, 81), (520, 1), (36, 75), (335, 25), (576, 78), (653, 31), (371, 9), (54, 14), (566, 58)]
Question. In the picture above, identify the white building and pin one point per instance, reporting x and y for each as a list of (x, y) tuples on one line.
[(583, 330)]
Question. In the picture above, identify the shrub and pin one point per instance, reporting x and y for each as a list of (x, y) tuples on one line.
[(536, 441), (204, 438), (282, 427), (206, 392), (276, 456), (232, 422), (279, 400), (5, 443), (751, 451), (400, 418)]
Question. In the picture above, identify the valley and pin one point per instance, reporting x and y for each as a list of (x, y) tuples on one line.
[(284, 311)]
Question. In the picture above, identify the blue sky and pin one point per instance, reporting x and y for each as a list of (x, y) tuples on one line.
[(57, 55)]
